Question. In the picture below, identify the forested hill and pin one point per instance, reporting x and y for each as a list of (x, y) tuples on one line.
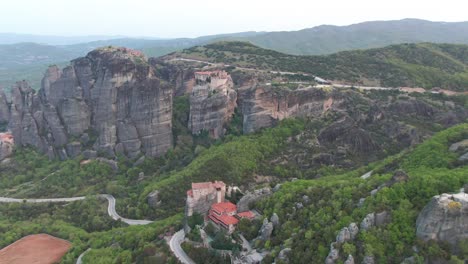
[(327, 39), (425, 65)]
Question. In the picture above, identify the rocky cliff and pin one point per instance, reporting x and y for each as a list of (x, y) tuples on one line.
[(264, 106), (444, 218), (212, 102), (110, 101), (4, 110)]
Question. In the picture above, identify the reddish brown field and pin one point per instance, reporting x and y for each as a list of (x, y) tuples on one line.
[(35, 249)]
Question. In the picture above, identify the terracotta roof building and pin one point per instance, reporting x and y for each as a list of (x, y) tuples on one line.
[(223, 214)]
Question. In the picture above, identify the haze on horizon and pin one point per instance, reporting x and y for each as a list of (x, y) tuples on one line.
[(171, 19)]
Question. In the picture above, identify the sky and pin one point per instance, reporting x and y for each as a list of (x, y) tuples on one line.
[(192, 18)]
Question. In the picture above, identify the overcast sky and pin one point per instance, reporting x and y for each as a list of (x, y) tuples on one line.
[(191, 18)]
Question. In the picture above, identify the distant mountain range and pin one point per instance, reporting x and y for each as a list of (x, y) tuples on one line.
[(19, 60)]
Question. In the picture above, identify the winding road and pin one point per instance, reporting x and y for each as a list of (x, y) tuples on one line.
[(174, 243)]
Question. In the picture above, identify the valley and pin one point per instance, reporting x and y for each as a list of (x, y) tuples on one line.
[(231, 153)]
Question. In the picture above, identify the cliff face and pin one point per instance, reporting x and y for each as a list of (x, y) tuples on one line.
[(4, 111), (212, 103), (264, 106), (445, 218), (110, 100)]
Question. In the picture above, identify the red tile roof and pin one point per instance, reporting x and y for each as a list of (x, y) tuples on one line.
[(228, 220), (247, 214), (226, 207)]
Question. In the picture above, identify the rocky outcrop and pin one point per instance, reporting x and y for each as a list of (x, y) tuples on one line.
[(266, 230), (250, 197), (111, 100), (212, 103), (349, 260), (444, 218), (181, 77), (368, 222), (333, 255), (4, 109), (346, 132), (264, 106), (154, 199), (284, 255), (275, 220)]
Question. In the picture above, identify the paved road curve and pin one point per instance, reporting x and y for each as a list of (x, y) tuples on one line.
[(110, 208), (174, 244), (112, 213)]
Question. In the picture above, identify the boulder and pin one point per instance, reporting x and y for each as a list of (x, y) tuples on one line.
[(459, 145), (284, 254), (333, 255), (299, 205), (153, 199), (275, 220), (463, 157), (343, 236), (368, 222), (353, 230), (266, 230), (306, 199), (444, 218)]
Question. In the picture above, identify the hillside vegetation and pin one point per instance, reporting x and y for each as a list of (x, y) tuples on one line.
[(333, 203), (418, 65)]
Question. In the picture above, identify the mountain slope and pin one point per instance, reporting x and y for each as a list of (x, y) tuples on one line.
[(328, 39), (419, 65)]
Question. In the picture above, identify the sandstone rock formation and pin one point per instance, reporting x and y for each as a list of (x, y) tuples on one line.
[(212, 103), (4, 110), (110, 101), (264, 106), (444, 218)]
